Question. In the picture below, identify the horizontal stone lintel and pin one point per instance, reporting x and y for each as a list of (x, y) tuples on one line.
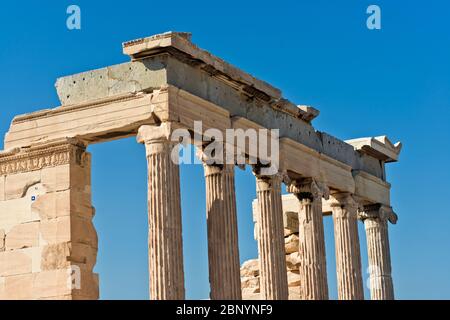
[(110, 119), (98, 121)]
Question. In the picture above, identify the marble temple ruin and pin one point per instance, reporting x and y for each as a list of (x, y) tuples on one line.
[(48, 243)]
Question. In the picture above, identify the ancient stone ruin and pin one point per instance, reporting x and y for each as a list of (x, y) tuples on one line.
[(250, 276), (48, 244)]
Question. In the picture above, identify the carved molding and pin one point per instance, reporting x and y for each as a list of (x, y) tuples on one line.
[(41, 156), (309, 188), (345, 205), (266, 182), (280, 175), (214, 154), (156, 133), (378, 211)]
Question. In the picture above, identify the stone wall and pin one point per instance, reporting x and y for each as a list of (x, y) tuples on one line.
[(250, 269), (48, 244)]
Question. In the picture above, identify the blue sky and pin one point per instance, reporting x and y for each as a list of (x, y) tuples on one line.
[(393, 81)]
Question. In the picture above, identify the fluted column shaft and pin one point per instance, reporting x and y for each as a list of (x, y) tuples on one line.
[(223, 249), (164, 215), (313, 269), (375, 222), (273, 275), (348, 256)]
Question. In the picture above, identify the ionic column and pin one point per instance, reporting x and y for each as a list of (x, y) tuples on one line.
[(375, 219), (273, 275), (348, 256), (164, 214), (223, 249), (313, 269)]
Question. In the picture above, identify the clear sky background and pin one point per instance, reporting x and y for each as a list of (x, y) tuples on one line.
[(395, 81)]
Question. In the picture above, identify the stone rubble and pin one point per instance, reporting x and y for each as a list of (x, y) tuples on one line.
[(250, 277)]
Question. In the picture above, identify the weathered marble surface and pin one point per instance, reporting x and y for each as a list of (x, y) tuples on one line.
[(47, 238)]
